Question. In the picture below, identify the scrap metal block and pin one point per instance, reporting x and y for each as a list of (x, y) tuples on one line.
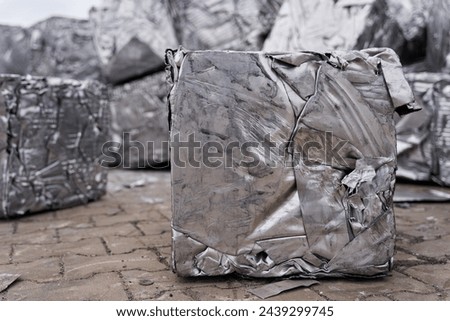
[(284, 164), (226, 24), (423, 137), (51, 137), (351, 24), (56, 47), (140, 122), (131, 37)]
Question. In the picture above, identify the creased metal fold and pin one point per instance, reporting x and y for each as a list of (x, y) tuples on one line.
[(303, 172), (51, 137)]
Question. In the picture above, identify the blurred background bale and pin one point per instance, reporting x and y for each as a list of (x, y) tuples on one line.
[(51, 136)]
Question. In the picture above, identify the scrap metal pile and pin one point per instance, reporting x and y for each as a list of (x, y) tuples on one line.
[(303, 71)]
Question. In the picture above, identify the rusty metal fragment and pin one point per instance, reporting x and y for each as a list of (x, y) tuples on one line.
[(131, 37), (423, 149), (140, 121), (51, 137), (284, 164), (226, 24)]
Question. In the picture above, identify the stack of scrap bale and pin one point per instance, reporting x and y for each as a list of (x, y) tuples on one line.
[(297, 69)]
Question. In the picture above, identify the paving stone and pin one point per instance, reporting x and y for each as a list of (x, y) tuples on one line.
[(6, 227), (4, 253), (173, 296), (124, 244), (125, 217), (211, 293), (31, 252), (357, 289), (438, 248), (105, 286), (39, 237), (74, 234), (436, 274), (36, 226), (408, 296), (377, 298), (77, 266), (151, 228), (41, 270)]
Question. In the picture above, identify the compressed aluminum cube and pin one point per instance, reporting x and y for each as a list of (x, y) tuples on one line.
[(226, 24), (438, 36), (342, 25), (51, 135), (140, 122), (284, 164), (131, 37), (56, 47), (423, 148), (15, 51)]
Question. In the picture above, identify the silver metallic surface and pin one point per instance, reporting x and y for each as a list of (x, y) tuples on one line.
[(226, 24), (56, 47), (422, 138), (51, 137), (438, 36), (131, 37), (351, 24), (288, 213), (139, 108), (272, 289)]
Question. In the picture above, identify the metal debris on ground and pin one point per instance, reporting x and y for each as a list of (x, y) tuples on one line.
[(272, 289)]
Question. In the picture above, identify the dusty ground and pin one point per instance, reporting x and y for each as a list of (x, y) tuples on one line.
[(119, 249)]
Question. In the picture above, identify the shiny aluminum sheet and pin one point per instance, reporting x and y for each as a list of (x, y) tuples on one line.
[(140, 121), (422, 138), (51, 137), (131, 37), (225, 24), (289, 203), (351, 24)]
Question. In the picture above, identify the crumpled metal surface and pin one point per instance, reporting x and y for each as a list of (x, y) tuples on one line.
[(139, 119), (286, 212), (51, 137), (15, 51), (227, 24), (422, 138), (438, 36), (55, 47), (131, 37), (64, 48), (351, 24)]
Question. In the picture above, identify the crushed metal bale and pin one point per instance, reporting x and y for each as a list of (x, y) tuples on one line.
[(51, 137), (423, 137), (283, 164)]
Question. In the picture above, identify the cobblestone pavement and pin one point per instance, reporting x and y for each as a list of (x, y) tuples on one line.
[(119, 249)]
